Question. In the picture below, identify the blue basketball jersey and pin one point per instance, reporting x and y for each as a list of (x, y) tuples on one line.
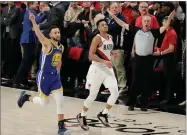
[(49, 62)]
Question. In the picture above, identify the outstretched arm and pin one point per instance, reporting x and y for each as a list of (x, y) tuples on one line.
[(170, 17), (120, 22), (41, 37)]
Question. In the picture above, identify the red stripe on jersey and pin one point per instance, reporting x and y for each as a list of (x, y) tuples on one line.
[(102, 55)]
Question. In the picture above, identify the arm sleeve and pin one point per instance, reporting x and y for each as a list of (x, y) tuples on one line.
[(115, 25), (172, 38), (133, 29), (40, 18)]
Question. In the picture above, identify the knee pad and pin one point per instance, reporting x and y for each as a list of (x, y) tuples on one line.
[(41, 101), (44, 102), (59, 98)]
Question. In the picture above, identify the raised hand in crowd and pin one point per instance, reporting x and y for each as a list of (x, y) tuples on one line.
[(31, 17), (45, 9), (92, 8)]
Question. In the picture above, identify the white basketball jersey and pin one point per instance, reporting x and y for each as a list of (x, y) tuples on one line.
[(104, 51)]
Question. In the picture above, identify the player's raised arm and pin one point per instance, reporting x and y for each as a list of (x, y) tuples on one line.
[(120, 22), (170, 17), (43, 40)]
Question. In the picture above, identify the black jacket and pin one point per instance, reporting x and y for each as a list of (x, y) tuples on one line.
[(11, 19), (55, 17)]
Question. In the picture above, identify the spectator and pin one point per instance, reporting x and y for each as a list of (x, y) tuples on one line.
[(143, 53), (28, 43), (72, 13), (55, 18), (167, 51), (154, 9), (84, 16), (129, 38), (179, 12), (11, 49), (143, 8), (104, 5), (70, 25), (165, 9), (117, 34), (127, 9)]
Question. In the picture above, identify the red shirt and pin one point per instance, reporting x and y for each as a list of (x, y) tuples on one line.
[(154, 22), (127, 13), (169, 38)]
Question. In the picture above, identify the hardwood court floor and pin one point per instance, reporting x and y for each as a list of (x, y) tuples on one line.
[(39, 120)]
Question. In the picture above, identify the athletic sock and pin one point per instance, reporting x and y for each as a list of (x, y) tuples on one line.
[(105, 111), (83, 113)]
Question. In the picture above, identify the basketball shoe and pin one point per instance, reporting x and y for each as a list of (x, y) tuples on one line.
[(82, 122), (104, 119)]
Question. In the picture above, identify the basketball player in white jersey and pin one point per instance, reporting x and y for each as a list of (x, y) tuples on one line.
[(100, 71)]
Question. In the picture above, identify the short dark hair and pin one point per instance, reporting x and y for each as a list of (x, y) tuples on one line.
[(53, 27)]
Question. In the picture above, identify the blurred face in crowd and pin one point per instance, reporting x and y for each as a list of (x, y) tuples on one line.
[(175, 3), (156, 6), (164, 9), (135, 14), (10, 3), (146, 21), (103, 27), (42, 5), (55, 34), (104, 4), (86, 4), (114, 8), (74, 4), (143, 8), (34, 6)]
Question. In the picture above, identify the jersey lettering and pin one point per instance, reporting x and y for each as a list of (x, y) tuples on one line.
[(108, 47)]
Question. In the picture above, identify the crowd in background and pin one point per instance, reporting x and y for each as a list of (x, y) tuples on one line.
[(20, 47)]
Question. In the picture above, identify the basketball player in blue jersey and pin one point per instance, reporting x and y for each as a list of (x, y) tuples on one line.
[(48, 78), (100, 71)]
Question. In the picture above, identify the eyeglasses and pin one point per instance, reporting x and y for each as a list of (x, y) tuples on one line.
[(143, 6)]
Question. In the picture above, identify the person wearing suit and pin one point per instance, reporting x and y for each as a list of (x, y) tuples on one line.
[(55, 18), (11, 56), (28, 42)]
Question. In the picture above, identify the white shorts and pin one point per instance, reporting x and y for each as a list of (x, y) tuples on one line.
[(98, 75)]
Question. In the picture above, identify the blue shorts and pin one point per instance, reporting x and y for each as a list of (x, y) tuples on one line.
[(48, 83)]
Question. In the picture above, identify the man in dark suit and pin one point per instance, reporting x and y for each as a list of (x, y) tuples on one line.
[(11, 49), (55, 17), (28, 42)]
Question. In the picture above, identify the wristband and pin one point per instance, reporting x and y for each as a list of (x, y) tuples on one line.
[(161, 53)]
